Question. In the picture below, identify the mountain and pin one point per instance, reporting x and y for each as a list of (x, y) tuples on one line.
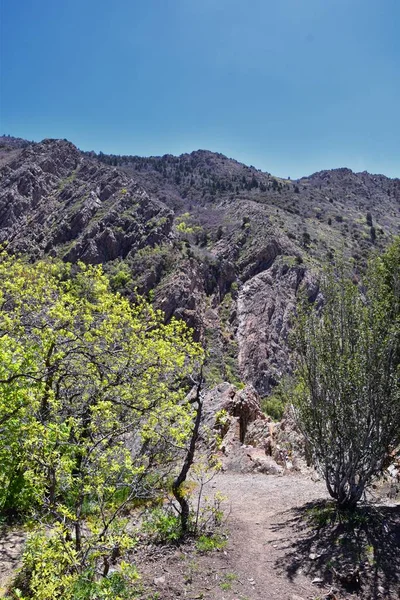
[(222, 245)]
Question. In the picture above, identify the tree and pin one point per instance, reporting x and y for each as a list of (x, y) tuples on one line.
[(348, 357), (93, 414)]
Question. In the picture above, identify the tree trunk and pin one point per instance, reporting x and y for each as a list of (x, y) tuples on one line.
[(177, 485)]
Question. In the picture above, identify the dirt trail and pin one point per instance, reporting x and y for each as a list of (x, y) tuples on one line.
[(252, 566), (11, 544), (260, 507), (271, 554)]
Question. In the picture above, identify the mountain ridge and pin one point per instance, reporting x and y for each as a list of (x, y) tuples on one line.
[(224, 246), (7, 140)]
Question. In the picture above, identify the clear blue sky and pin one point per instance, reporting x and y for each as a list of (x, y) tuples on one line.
[(290, 86)]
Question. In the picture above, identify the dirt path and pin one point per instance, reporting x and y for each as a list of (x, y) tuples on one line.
[(11, 544), (252, 565), (272, 555), (260, 507)]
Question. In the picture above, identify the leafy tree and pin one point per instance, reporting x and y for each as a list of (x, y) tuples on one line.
[(92, 412), (349, 376)]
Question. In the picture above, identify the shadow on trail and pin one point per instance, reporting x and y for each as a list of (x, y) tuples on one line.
[(358, 552)]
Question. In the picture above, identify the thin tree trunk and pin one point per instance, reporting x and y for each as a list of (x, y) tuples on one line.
[(177, 485)]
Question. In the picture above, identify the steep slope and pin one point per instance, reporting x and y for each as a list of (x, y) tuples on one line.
[(54, 200), (224, 246), (266, 239)]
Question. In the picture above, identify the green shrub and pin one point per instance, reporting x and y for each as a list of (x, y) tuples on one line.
[(273, 407), (208, 543), (117, 586), (51, 571), (120, 279), (163, 525), (48, 566), (275, 404)]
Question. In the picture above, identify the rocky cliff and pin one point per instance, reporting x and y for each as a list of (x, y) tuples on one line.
[(55, 201), (224, 246)]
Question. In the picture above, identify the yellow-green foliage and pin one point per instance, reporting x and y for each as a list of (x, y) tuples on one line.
[(209, 543), (50, 564), (83, 372), (185, 224)]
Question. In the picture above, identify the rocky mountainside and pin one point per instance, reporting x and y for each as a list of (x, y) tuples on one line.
[(222, 245)]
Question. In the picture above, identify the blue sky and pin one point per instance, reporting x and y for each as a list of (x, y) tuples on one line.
[(290, 86)]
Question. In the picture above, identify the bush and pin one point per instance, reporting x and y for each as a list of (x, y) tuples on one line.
[(49, 565), (82, 370), (163, 525), (273, 407), (349, 372), (209, 543)]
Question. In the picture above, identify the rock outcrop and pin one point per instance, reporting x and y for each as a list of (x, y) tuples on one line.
[(265, 310), (249, 440), (55, 201)]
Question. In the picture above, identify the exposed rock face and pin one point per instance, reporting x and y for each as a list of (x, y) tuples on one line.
[(243, 405), (54, 200), (182, 294), (33, 176), (259, 259), (251, 441), (248, 442), (264, 311)]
